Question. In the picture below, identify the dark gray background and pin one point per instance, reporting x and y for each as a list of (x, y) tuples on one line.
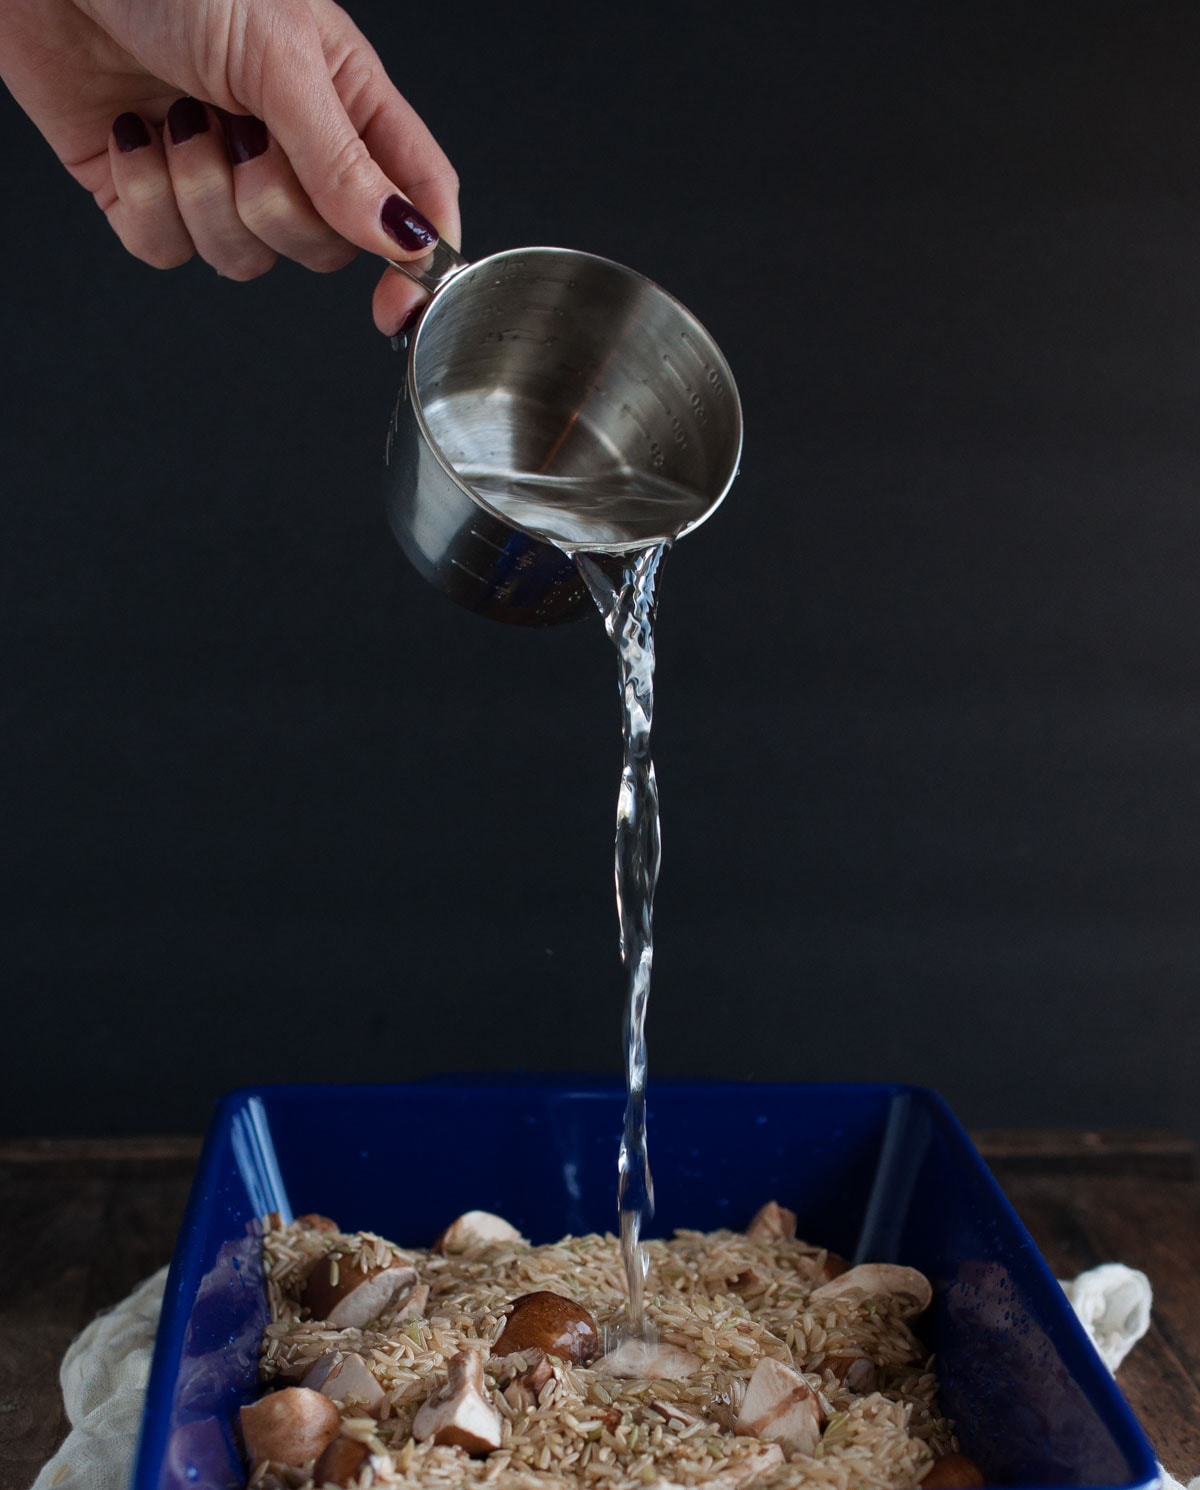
[(929, 716)]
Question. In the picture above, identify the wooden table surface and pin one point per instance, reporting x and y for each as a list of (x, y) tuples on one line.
[(81, 1222)]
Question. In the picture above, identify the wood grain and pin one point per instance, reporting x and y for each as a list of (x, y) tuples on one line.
[(1151, 1224), (78, 1233), (82, 1221)]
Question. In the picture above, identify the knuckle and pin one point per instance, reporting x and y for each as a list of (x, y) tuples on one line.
[(328, 258), (243, 267), (350, 165), (147, 194), (165, 255), (265, 210)]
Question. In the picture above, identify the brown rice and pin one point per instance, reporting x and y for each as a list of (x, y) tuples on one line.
[(589, 1430)]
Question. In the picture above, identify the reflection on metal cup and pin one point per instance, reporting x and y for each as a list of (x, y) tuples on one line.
[(553, 403)]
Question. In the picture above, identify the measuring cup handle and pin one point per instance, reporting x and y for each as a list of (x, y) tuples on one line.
[(434, 269)]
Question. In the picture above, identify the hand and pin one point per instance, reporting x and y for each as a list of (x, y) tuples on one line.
[(280, 133)]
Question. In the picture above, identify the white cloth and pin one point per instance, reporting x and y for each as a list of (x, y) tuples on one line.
[(104, 1373), (103, 1376), (1113, 1305)]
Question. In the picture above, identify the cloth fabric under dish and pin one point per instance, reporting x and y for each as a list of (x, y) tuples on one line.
[(104, 1372)]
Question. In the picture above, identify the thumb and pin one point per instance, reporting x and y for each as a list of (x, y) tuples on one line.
[(304, 111)]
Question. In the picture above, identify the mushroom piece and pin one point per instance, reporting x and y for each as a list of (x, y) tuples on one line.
[(762, 1456), (413, 1306), (342, 1293), (953, 1472), (773, 1223), (339, 1462), (474, 1229), (671, 1412), (908, 1288), (314, 1221), (639, 1360), (547, 1321), (460, 1413), (833, 1266), (780, 1407), (524, 1387), (345, 1378), (856, 1373), (291, 1427)]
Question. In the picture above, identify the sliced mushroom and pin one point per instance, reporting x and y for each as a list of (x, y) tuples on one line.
[(292, 1426), (345, 1378), (413, 1306), (909, 1289), (671, 1412), (342, 1293), (547, 1321), (856, 1373), (773, 1223), (748, 1466), (639, 1360), (780, 1407), (340, 1462), (523, 1388), (460, 1413), (954, 1472), (473, 1229)]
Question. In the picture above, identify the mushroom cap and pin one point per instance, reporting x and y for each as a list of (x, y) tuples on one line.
[(547, 1321), (314, 1221), (474, 1229), (358, 1296), (780, 1407), (639, 1360), (339, 1462), (291, 1426), (908, 1288), (773, 1222), (953, 1472)]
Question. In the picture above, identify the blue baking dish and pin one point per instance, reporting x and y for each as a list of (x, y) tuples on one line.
[(880, 1172)]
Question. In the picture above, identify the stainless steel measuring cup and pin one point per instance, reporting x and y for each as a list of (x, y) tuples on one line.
[(553, 402)]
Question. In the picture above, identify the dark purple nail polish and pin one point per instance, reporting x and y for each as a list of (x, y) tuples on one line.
[(130, 133), (186, 117), (247, 137), (406, 226)]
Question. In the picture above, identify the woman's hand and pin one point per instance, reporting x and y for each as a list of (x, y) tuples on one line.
[(235, 129)]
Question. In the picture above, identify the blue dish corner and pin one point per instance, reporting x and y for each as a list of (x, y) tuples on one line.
[(874, 1171)]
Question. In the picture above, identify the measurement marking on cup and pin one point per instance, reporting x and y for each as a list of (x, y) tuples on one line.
[(694, 398), (475, 533), (712, 376), (677, 429), (657, 459)]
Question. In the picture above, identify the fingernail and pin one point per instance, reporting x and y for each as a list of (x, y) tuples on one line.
[(406, 226), (130, 133), (186, 117), (406, 325), (247, 137)]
